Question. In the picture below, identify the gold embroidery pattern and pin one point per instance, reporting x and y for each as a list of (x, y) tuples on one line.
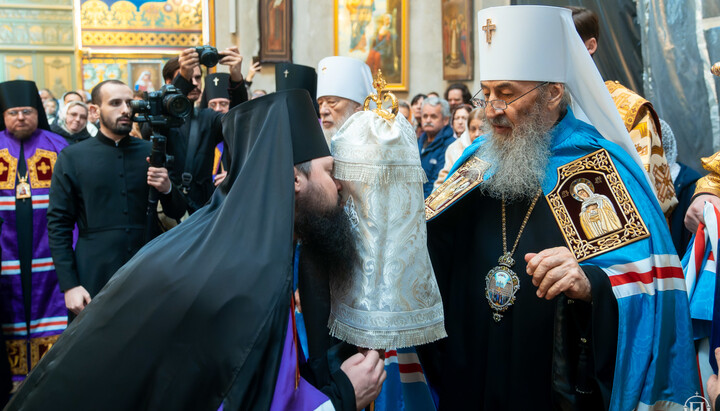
[(8, 170), (41, 166), (17, 355), (465, 178), (39, 347), (643, 125), (663, 180), (633, 229)]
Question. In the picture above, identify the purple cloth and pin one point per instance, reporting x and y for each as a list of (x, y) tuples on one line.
[(287, 396), (48, 315)]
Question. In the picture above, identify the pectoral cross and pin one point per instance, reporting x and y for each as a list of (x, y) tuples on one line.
[(488, 29), (286, 73), (216, 80)]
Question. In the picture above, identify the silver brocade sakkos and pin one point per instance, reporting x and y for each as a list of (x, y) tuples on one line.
[(392, 299), (501, 283)]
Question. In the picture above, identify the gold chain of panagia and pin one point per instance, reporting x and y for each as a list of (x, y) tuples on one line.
[(522, 226)]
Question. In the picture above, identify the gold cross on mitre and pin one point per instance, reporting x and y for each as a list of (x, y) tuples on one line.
[(216, 80), (488, 28), (378, 98)]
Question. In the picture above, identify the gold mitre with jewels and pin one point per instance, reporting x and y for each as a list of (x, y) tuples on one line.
[(391, 298)]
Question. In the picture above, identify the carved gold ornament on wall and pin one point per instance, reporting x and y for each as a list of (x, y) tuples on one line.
[(173, 23)]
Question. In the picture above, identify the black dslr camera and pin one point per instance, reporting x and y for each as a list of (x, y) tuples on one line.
[(208, 55), (166, 107)]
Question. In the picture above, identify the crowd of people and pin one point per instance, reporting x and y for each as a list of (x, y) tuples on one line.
[(296, 251)]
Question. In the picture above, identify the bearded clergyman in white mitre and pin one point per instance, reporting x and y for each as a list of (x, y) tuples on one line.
[(597, 215)]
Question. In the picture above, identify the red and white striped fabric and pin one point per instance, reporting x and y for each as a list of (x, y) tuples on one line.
[(659, 272), (36, 326), (39, 201), (409, 365), (12, 267), (706, 235)]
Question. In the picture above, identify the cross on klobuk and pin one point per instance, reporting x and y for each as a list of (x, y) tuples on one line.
[(488, 28), (286, 73), (216, 80)]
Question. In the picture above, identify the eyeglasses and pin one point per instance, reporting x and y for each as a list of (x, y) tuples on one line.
[(25, 112), (501, 105)]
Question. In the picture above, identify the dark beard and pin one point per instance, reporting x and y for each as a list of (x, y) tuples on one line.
[(326, 236), (116, 128)]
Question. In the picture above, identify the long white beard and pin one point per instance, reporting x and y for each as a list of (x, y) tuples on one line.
[(519, 159)]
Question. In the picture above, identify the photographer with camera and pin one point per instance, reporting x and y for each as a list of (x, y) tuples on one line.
[(193, 145), (102, 184)]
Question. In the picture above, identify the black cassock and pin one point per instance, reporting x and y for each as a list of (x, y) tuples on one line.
[(103, 188), (542, 354), (198, 317)]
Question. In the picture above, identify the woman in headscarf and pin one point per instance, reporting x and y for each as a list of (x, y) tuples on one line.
[(72, 121)]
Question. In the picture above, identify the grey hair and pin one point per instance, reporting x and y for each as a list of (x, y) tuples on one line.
[(435, 101), (304, 168)]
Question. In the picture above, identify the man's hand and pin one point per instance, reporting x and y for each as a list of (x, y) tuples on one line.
[(76, 299), (367, 374), (158, 178), (254, 69), (219, 177), (555, 271), (694, 215), (713, 386), (188, 60), (231, 57)]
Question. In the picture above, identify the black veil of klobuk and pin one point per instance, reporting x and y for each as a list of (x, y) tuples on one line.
[(199, 315)]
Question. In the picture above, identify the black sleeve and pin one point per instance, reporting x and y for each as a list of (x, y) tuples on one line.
[(62, 214), (238, 93), (173, 203), (586, 345)]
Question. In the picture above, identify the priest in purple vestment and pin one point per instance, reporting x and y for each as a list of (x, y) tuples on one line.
[(32, 308)]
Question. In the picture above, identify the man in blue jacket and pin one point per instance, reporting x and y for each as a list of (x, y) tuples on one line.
[(436, 137)]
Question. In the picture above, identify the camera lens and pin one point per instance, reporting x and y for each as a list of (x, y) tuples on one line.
[(177, 105), (209, 57), (139, 106)]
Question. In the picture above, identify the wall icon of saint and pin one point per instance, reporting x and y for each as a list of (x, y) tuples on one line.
[(144, 82), (597, 214)]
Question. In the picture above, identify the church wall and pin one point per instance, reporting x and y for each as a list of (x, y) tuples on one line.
[(37, 42), (313, 39)]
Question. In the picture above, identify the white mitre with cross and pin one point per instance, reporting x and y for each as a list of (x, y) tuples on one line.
[(344, 77), (540, 43)]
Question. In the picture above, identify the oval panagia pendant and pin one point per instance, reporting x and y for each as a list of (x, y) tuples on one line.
[(501, 285)]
